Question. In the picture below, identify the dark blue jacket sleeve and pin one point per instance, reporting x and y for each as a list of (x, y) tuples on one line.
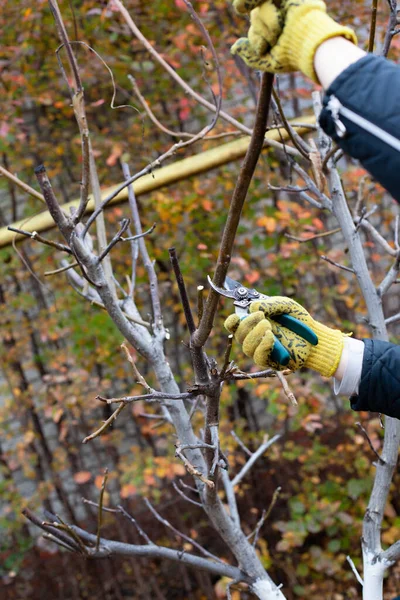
[(371, 88), (379, 389)]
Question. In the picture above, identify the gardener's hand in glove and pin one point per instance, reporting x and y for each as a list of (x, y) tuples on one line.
[(285, 39), (256, 334)]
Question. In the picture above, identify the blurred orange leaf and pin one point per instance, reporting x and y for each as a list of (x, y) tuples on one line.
[(127, 490), (269, 223), (82, 477), (207, 205), (115, 154)]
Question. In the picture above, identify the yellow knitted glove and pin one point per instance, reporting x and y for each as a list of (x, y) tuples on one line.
[(285, 39), (256, 334)]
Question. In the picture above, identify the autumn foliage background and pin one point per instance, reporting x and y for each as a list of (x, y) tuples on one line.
[(57, 352)]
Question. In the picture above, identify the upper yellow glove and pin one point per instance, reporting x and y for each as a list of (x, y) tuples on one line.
[(285, 39), (245, 6), (256, 334)]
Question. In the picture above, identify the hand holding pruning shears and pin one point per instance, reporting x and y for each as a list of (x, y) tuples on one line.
[(278, 332)]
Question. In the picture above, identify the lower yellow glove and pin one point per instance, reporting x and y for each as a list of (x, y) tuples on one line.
[(285, 39), (256, 334)]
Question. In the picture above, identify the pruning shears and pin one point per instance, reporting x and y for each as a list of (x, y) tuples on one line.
[(242, 298)]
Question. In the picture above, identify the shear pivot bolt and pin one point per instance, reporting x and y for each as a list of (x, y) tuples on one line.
[(241, 291)]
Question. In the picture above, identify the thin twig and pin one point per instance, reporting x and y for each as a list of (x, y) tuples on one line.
[(191, 469), (179, 533), (66, 539), (188, 487), (62, 32), (241, 444), (52, 538), (96, 505), (133, 238), (61, 269), (100, 510), (274, 498), (230, 497), (199, 445), (188, 90), (391, 30), (138, 376), (176, 488), (154, 396), (360, 197), (313, 237), (201, 134), (330, 155), (182, 290), (290, 189), (324, 201), (140, 531), (393, 319), (36, 236), (396, 233), (117, 238), (296, 139), (264, 516), (240, 375), (148, 264), (157, 123), (335, 264), (217, 99), (214, 446), (301, 125), (70, 532), (367, 226), (23, 186), (391, 277), (286, 388), (382, 462), (372, 30), (78, 103), (152, 417), (153, 118), (353, 568), (101, 305), (105, 424), (200, 302), (254, 457), (256, 531), (227, 356)]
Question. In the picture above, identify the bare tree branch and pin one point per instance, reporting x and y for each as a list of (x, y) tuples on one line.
[(23, 186), (35, 236), (238, 198)]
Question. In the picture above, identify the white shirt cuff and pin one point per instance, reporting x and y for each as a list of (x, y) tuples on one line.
[(348, 374)]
